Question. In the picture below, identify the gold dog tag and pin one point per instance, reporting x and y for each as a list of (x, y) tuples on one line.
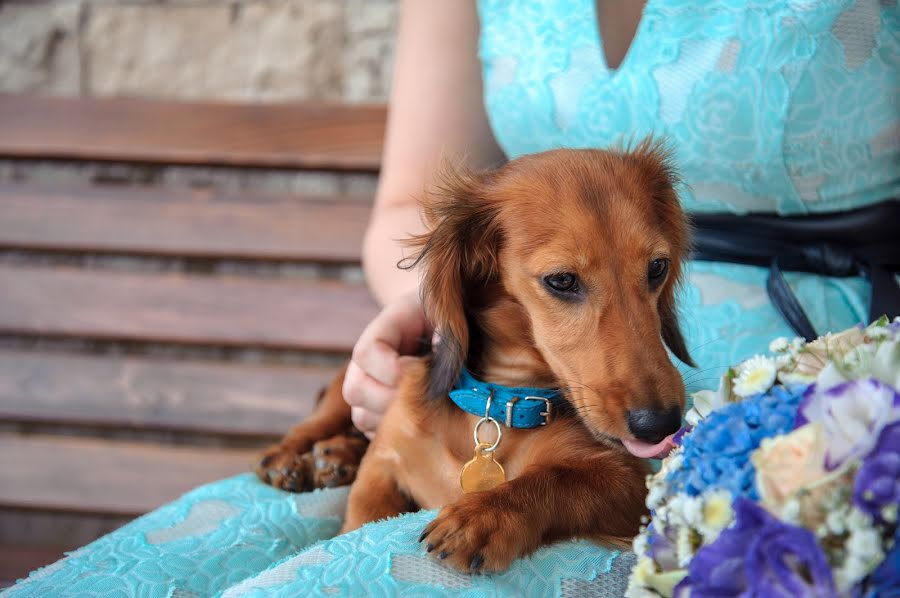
[(482, 472)]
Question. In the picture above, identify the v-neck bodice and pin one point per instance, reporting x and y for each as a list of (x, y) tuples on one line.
[(776, 106)]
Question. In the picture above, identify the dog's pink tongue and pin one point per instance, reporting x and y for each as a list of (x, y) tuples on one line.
[(645, 450)]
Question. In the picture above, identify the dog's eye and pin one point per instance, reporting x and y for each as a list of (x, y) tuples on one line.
[(563, 282), (656, 271)]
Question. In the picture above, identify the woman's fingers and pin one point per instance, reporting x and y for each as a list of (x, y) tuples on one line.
[(370, 383), (365, 421), (396, 331), (362, 390)]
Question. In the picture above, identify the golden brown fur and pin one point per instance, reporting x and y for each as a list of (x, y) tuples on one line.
[(493, 240)]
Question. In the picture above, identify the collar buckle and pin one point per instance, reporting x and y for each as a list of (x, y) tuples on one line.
[(547, 414)]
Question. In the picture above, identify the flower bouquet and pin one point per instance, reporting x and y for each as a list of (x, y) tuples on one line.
[(786, 481)]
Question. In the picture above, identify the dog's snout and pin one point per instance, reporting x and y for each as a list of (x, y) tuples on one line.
[(651, 425)]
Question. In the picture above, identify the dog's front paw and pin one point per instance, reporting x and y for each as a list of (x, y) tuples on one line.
[(283, 466), (474, 534)]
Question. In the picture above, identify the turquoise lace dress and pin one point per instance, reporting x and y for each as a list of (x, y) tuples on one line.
[(787, 106)]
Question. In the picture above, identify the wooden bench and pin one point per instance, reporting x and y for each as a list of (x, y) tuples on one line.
[(154, 338)]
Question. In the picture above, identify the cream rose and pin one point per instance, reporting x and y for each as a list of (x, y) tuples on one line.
[(787, 464)]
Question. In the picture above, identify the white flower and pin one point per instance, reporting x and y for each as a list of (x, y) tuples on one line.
[(779, 345), (809, 359), (852, 415), (829, 377), (641, 543), (640, 575), (835, 522), (646, 582), (673, 462), (656, 495), (879, 333), (684, 547), (755, 375), (692, 511), (717, 514), (790, 512), (707, 401), (886, 364), (881, 329), (862, 550)]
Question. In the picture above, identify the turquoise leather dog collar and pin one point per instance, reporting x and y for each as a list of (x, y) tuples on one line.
[(514, 407)]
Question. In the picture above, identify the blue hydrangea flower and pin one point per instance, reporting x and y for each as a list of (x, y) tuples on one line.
[(878, 480), (717, 452), (759, 556)]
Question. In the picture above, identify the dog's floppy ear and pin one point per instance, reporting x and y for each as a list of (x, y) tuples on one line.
[(671, 331), (459, 257), (655, 161)]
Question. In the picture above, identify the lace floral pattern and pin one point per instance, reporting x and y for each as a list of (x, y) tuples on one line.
[(240, 538), (781, 106)]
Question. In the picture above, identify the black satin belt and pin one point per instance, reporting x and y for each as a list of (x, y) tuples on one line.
[(863, 242)]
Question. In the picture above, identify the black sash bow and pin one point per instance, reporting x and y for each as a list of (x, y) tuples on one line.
[(862, 242)]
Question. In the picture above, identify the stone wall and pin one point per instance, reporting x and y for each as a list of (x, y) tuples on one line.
[(240, 50)]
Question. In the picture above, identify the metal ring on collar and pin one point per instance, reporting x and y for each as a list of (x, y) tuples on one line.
[(496, 443)]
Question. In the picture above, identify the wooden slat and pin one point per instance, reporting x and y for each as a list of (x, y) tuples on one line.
[(327, 137), (241, 399), (114, 477), (171, 223), (16, 562), (180, 308), (62, 531)]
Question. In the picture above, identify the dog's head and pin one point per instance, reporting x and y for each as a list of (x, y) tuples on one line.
[(574, 254)]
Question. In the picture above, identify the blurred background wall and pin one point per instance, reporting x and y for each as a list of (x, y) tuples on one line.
[(241, 50), (337, 51)]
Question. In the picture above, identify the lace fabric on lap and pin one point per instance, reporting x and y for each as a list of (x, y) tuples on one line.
[(239, 537), (206, 541)]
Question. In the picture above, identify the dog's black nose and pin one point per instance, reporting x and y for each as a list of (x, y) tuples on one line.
[(652, 426)]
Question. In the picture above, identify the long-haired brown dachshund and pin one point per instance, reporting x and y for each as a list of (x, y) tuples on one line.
[(556, 272)]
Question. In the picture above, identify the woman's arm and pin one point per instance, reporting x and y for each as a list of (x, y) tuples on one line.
[(436, 113)]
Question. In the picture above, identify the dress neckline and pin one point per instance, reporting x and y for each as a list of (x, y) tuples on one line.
[(635, 39)]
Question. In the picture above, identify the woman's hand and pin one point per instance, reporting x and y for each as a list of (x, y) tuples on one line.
[(379, 357), (446, 100)]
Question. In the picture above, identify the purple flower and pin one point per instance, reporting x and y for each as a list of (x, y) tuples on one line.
[(661, 548), (878, 480), (759, 556), (680, 434), (852, 414)]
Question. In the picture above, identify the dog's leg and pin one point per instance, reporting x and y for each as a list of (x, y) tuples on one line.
[(375, 494), (600, 498), (286, 464), (336, 460)]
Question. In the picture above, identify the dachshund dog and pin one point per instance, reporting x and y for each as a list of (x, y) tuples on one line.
[(558, 270)]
